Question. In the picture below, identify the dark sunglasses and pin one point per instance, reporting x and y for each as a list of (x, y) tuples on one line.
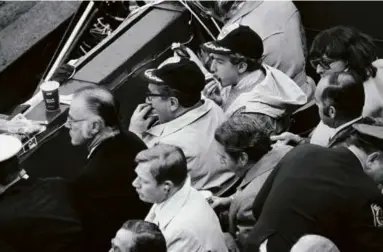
[(324, 63)]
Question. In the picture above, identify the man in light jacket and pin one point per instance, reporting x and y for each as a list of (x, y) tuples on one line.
[(182, 214)]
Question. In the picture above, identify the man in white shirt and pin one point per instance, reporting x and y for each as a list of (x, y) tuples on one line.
[(182, 214), (184, 120)]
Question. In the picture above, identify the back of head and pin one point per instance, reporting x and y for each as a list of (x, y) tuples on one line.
[(101, 102), (345, 92), (243, 133), (168, 162), (314, 243), (348, 44), (146, 236)]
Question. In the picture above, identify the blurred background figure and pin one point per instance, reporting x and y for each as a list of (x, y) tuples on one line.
[(35, 214), (138, 236), (314, 243)]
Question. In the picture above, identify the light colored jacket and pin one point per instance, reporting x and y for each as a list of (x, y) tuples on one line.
[(274, 96), (373, 89), (188, 223), (193, 132), (278, 24)]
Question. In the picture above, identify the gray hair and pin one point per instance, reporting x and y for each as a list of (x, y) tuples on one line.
[(101, 102)]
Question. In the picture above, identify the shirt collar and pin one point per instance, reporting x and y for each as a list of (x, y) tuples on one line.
[(167, 210), (102, 139), (347, 124), (180, 122)]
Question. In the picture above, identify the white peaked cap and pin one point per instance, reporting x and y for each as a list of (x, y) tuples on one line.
[(9, 146)]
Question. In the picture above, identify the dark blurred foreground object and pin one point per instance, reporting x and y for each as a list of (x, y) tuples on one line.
[(35, 214)]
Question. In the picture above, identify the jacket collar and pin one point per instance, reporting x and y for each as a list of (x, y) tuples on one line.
[(167, 210), (179, 123), (265, 164)]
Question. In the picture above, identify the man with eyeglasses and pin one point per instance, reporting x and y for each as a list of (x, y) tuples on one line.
[(184, 120), (104, 197), (345, 49)]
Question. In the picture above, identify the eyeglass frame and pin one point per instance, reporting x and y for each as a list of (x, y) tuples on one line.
[(70, 121), (324, 63)]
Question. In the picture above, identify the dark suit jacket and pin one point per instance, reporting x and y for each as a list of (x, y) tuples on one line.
[(37, 215), (104, 193), (316, 190)]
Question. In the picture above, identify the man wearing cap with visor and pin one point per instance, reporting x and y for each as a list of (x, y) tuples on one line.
[(184, 120), (35, 214), (330, 192), (248, 85)]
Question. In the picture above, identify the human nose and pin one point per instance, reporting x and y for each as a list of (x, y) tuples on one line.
[(213, 66), (135, 183), (67, 124), (319, 69)]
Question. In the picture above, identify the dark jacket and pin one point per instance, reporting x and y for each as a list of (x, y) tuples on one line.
[(37, 215), (316, 190), (104, 193)]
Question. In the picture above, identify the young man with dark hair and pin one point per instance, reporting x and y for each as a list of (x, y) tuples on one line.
[(343, 48), (250, 155), (248, 85), (184, 120), (138, 236), (183, 215), (326, 191), (103, 195)]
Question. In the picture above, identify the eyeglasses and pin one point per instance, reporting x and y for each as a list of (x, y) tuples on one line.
[(70, 121), (150, 95), (324, 63)]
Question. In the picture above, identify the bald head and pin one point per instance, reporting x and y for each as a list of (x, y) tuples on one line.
[(314, 243)]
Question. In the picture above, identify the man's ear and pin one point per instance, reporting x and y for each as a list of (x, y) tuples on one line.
[(242, 67), (243, 158), (94, 126), (372, 158), (331, 112), (174, 104), (167, 185)]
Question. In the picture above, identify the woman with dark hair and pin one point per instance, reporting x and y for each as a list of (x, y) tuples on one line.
[(343, 48), (250, 155)]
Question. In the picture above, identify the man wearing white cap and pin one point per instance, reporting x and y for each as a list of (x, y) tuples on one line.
[(35, 214)]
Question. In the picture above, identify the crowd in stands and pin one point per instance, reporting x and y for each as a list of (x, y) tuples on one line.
[(208, 163)]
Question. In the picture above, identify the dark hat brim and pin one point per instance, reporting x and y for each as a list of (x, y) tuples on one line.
[(215, 47)]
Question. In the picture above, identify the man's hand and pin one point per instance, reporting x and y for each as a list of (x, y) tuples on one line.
[(215, 201), (212, 91), (286, 138), (140, 120)]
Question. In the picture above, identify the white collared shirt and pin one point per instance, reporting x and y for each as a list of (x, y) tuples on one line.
[(323, 133), (187, 222)]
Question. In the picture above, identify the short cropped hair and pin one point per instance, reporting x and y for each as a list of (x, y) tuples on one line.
[(314, 243), (345, 92), (101, 102), (168, 162), (252, 64), (242, 133), (349, 45), (146, 236)]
